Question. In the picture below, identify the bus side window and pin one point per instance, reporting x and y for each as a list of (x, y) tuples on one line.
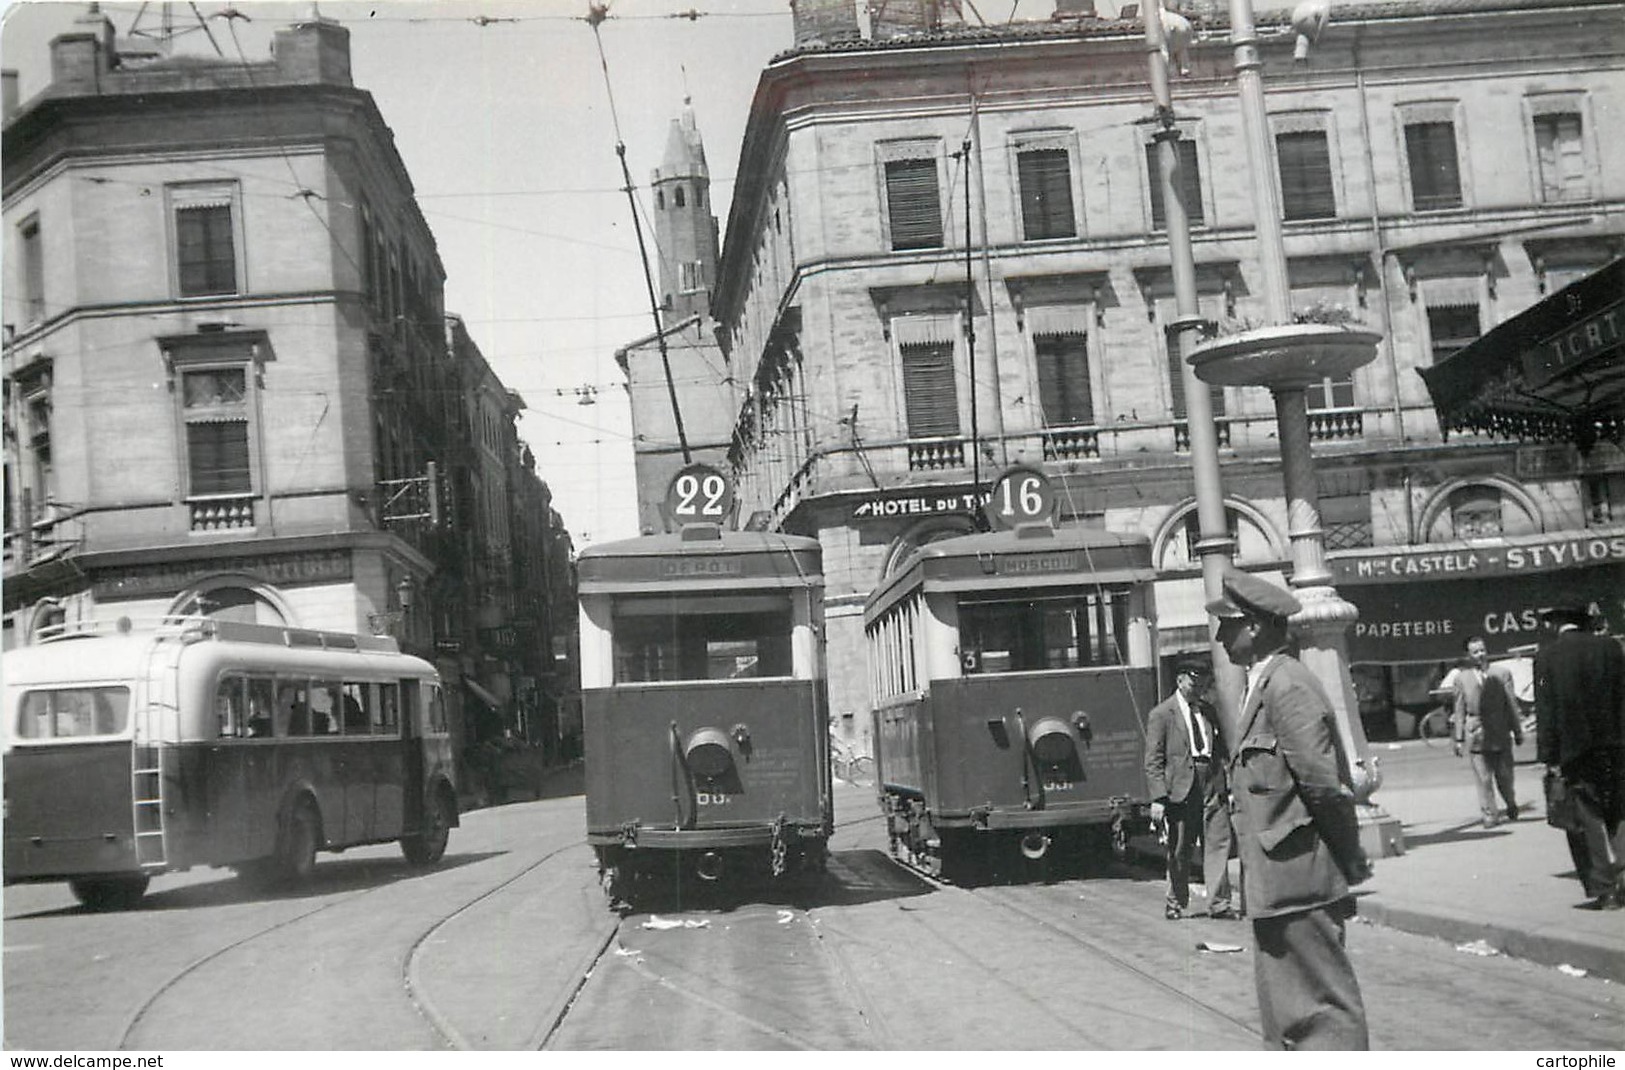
[(409, 706), (261, 703), (228, 707), (387, 719), (353, 703), (324, 708), (437, 709), (292, 715)]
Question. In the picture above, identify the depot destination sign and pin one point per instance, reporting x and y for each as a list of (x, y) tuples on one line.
[(1421, 603)]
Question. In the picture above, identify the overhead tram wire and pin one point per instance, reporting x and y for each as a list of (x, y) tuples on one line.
[(596, 14)]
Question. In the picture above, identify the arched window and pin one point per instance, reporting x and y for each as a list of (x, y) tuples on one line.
[(1480, 509), (232, 600)]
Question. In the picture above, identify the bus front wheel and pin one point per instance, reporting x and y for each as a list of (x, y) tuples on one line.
[(424, 848), (109, 893)]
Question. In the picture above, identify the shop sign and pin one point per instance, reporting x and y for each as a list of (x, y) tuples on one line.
[(879, 507), (1443, 563), (281, 570)]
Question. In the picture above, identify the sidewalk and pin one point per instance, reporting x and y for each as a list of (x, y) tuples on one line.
[(1511, 887)]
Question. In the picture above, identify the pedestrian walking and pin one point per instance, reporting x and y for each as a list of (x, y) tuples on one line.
[(1184, 769), (1295, 820), (1486, 725), (1580, 734)]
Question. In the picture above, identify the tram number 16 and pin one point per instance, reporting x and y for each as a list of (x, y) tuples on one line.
[(1021, 496)]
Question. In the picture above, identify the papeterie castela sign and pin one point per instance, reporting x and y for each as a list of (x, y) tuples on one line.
[(1471, 562)]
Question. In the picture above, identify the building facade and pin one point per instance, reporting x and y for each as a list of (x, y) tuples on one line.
[(945, 254), (231, 387)]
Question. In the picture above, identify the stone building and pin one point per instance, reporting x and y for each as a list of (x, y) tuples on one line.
[(1442, 166), (231, 386)]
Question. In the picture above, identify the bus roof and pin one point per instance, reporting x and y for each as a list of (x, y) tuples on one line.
[(1025, 558), (700, 560)]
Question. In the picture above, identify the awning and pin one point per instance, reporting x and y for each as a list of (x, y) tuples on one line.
[(482, 694), (1554, 373)]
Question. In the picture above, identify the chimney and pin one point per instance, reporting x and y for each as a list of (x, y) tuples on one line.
[(8, 95), (77, 60), (314, 51), (820, 22)]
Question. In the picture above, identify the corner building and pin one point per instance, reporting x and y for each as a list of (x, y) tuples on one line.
[(1442, 166)]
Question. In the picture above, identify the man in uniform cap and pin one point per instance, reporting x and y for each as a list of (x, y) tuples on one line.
[(1299, 837), (1183, 768), (1580, 734)]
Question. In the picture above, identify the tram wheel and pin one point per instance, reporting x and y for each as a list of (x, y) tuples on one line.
[(109, 893), (427, 847), (297, 844)]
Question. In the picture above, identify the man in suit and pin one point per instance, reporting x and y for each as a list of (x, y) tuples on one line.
[(1183, 753), (1486, 724), (1295, 821), (1580, 733)]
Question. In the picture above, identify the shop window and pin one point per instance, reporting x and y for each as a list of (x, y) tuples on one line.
[(1305, 161)]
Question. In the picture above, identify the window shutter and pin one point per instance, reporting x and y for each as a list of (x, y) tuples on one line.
[(1046, 193), (205, 257), (913, 205), (928, 389), (1063, 378), (217, 454), (1306, 175), (1190, 184), (1451, 328), (1430, 153)]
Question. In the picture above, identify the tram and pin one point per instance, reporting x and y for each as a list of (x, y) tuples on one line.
[(1011, 672), (131, 752), (704, 700)]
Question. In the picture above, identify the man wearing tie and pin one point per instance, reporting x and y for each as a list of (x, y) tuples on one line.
[(1188, 791)]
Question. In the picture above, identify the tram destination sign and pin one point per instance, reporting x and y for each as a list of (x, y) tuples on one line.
[(1477, 562)]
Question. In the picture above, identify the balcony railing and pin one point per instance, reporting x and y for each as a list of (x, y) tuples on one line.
[(1326, 425), (222, 514), (1071, 444), (1182, 435), (937, 455)]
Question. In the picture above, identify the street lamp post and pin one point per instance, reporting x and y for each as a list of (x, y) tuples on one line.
[(1287, 359)]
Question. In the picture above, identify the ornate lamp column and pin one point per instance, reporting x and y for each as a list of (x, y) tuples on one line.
[(1287, 359)]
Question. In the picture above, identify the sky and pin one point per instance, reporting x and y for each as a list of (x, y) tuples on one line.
[(502, 113)]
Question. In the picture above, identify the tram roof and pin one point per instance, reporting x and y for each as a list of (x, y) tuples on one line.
[(699, 561), (1009, 560)]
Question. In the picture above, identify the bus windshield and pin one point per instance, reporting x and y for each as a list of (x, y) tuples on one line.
[(659, 640), (73, 712), (1062, 631)]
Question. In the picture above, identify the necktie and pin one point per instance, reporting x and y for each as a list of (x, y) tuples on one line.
[(1198, 744)]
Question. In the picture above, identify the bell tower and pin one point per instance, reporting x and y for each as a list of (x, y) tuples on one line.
[(685, 228)]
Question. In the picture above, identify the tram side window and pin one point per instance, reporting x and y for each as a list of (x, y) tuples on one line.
[(261, 707), (1058, 632), (666, 646), (74, 713), (355, 717)]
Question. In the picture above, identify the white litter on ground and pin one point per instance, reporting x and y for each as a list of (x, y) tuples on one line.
[(1222, 949), (1572, 971), (786, 917), (625, 952), (1479, 947), (657, 922)]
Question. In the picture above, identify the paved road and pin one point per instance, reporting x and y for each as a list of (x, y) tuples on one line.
[(510, 945)]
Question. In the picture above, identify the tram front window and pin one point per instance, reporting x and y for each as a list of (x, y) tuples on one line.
[(1046, 632), (659, 641)]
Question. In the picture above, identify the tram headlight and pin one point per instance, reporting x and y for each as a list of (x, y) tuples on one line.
[(707, 752), (1052, 740)]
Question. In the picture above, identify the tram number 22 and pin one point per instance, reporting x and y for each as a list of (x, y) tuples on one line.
[(711, 798), (692, 488)]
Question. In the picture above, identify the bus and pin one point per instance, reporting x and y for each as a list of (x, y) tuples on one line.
[(199, 742)]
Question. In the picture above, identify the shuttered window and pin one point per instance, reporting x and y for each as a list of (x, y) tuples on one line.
[(1176, 379), (1451, 328), (1046, 193), (928, 389), (1306, 175), (206, 256), (1063, 379), (913, 204), (215, 407), (1430, 154), (1561, 154), (1190, 184)]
